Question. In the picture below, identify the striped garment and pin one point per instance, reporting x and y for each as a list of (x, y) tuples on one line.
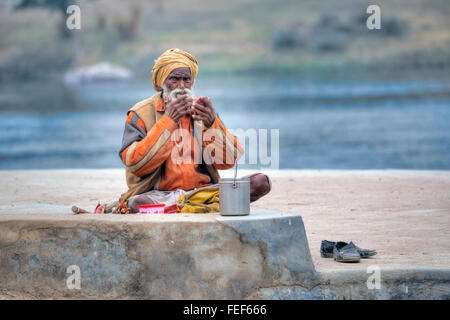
[(143, 151)]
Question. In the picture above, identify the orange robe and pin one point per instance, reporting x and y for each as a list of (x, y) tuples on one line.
[(186, 175)]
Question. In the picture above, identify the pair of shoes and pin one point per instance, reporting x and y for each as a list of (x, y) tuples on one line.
[(344, 252)]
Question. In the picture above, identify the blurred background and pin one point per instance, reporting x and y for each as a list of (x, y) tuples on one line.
[(343, 96)]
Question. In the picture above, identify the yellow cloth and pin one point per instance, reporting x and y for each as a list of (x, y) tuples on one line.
[(170, 60), (204, 200)]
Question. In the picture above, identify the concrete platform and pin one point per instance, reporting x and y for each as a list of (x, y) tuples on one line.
[(267, 255), (180, 256)]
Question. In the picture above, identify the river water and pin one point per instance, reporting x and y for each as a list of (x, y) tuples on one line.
[(324, 122)]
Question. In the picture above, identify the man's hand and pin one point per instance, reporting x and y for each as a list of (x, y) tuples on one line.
[(203, 110), (178, 108)]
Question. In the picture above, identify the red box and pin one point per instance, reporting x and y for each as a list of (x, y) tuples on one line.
[(152, 208)]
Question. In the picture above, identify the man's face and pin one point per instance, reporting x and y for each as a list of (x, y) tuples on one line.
[(179, 79), (177, 83)]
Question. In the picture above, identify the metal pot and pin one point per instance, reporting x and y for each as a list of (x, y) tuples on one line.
[(234, 196)]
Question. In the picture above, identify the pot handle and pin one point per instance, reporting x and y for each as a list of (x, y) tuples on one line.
[(235, 174)]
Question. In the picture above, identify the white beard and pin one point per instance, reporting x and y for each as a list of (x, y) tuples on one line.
[(175, 93)]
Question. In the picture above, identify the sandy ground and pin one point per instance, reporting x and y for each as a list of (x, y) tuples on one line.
[(404, 215)]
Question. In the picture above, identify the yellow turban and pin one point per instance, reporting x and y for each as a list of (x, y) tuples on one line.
[(169, 61)]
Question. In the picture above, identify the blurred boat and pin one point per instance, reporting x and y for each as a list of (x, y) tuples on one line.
[(100, 72)]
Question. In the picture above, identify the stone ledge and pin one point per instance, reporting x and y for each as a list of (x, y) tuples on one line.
[(156, 256)]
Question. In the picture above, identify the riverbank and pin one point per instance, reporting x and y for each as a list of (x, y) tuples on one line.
[(403, 214)]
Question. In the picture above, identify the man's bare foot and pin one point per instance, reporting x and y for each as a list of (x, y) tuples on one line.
[(259, 186)]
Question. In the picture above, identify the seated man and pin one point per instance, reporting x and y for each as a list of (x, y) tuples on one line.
[(172, 125)]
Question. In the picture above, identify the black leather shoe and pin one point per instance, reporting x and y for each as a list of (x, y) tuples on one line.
[(343, 252), (326, 249)]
